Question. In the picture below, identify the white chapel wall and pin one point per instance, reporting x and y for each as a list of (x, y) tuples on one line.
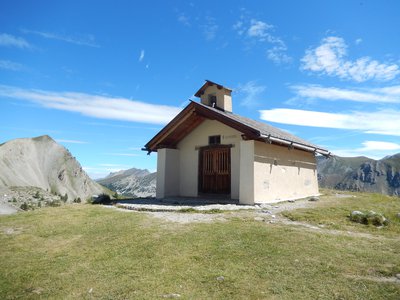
[(283, 174), (189, 155)]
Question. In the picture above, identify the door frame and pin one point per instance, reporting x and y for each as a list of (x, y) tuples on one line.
[(200, 168)]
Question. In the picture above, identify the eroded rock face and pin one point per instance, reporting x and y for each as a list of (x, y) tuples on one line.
[(361, 174), (41, 162), (131, 183)]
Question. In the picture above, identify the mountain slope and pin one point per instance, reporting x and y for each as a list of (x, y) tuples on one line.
[(360, 174), (41, 162), (131, 183)]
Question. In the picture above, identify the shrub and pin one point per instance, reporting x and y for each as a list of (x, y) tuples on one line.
[(37, 195), (24, 206), (77, 200), (64, 198), (102, 199)]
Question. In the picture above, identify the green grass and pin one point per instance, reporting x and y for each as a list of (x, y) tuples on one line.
[(333, 212), (65, 252)]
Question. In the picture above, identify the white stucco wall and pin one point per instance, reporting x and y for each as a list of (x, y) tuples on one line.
[(283, 174), (246, 162), (167, 173), (189, 156)]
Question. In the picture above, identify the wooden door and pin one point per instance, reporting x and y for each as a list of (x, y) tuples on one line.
[(215, 170)]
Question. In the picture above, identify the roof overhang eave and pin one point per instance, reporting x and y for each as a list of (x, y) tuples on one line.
[(316, 150)]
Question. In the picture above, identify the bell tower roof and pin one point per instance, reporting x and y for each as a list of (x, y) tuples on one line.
[(215, 95)]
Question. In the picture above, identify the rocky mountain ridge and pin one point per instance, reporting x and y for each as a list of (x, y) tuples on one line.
[(41, 162), (131, 183), (360, 174)]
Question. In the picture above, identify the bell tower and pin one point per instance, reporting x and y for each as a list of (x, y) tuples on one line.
[(215, 95)]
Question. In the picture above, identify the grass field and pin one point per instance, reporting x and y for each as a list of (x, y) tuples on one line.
[(92, 252)]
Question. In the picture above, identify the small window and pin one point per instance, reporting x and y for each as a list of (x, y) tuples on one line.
[(214, 140), (212, 99)]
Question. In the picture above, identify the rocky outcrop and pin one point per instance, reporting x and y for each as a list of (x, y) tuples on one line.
[(41, 162), (131, 183), (360, 174)]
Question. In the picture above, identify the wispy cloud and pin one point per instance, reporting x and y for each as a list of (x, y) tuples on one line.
[(70, 141), (371, 149), (184, 19), (96, 106), (262, 32), (210, 28), (330, 58), (81, 40), (141, 56), (389, 94), (379, 122), (278, 54), (10, 65), (250, 92), (9, 40)]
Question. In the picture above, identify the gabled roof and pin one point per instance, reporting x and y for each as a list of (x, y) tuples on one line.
[(208, 83), (195, 113)]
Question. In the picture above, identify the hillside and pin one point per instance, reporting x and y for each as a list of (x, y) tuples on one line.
[(360, 174), (131, 183), (41, 162)]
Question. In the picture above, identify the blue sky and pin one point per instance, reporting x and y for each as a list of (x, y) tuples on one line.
[(103, 77)]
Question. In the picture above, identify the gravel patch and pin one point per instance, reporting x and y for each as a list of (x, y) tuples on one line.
[(188, 210), (177, 208)]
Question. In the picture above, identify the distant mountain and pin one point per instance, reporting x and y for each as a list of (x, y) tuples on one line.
[(41, 162), (131, 183), (360, 174)]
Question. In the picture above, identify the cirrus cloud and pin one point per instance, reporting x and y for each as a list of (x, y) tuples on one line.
[(390, 94), (380, 122), (97, 106), (371, 149), (330, 58), (9, 40)]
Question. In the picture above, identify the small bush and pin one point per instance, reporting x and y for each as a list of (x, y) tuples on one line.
[(37, 195), (24, 206), (64, 198), (77, 200), (102, 199)]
